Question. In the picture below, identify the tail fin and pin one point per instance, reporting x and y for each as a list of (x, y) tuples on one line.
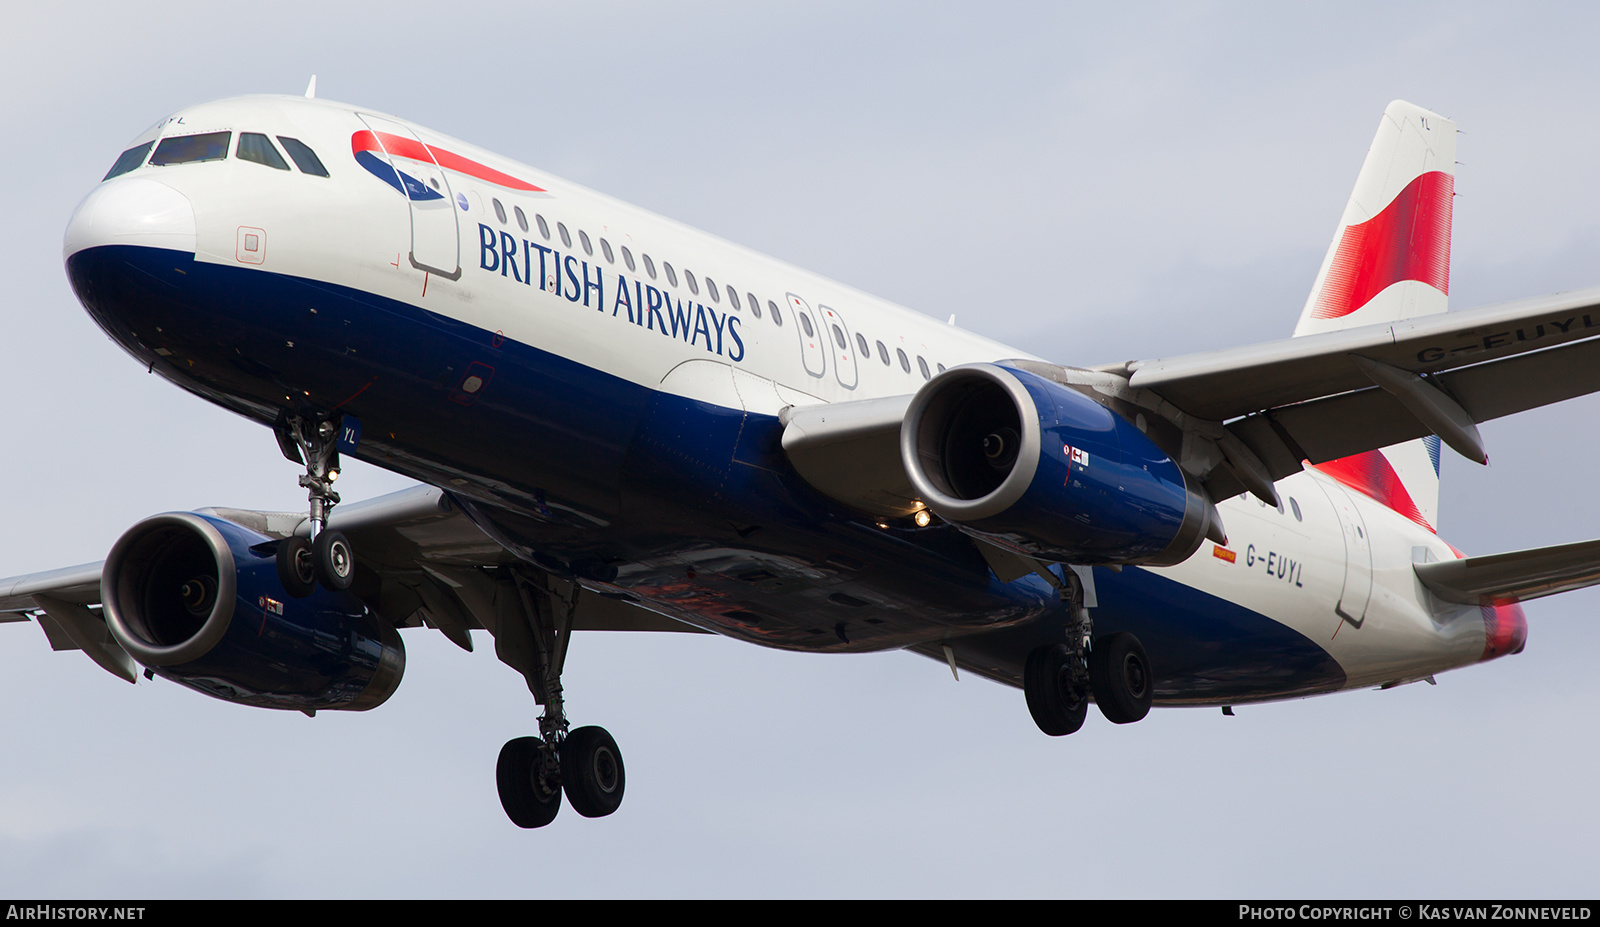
[(1390, 260)]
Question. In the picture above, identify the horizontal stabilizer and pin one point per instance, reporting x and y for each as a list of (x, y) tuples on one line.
[(1515, 576)]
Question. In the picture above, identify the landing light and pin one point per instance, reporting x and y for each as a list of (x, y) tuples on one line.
[(333, 475), (922, 518)]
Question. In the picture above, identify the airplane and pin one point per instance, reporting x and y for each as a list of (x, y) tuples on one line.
[(621, 423)]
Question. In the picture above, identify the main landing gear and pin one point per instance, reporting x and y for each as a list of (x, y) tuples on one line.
[(1059, 678), (584, 763), (326, 556)]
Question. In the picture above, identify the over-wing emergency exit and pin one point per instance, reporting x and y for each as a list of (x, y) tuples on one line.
[(621, 423)]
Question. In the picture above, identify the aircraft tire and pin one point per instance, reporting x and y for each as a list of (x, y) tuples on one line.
[(591, 772), (1120, 676), (296, 572), (335, 561), (1057, 707), (528, 801)]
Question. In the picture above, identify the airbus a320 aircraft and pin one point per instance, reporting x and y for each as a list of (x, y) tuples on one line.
[(623, 423)]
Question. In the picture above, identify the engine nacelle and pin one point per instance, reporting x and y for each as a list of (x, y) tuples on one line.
[(197, 599), (1043, 469)]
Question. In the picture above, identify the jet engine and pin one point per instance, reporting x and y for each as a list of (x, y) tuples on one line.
[(1040, 468), (197, 599)]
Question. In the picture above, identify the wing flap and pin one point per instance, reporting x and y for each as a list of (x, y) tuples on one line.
[(1515, 576)]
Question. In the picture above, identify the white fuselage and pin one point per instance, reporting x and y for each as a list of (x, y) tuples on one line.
[(1333, 565)]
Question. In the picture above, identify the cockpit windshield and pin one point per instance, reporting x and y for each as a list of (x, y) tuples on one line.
[(253, 146), (304, 157), (128, 160), (213, 146), (186, 149)]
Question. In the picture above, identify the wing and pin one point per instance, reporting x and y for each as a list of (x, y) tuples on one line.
[(429, 560), (1326, 396)]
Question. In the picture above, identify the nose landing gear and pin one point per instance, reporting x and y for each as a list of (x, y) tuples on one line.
[(326, 557)]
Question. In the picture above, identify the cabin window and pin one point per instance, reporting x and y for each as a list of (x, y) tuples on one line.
[(711, 287), (566, 239), (1296, 506), (190, 149), (693, 286), (839, 339), (649, 266), (128, 161), (805, 323), (522, 217), (672, 275), (605, 249), (544, 227), (627, 258), (941, 368), (861, 346), (755, 304), (777, 317), (883, 354), (499, 211), (922, 365), (733, 296), (905, 362), (303, 157), (583, 237), (253, 146)]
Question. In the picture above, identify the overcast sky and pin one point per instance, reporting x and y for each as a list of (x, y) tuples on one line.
[(1093, 183)]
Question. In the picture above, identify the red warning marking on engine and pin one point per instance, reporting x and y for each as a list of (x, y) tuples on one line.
[(1222, 553)]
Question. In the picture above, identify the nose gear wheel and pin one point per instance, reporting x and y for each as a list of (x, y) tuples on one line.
[(327, 557)]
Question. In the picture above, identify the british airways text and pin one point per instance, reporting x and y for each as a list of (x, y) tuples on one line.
[(645, 306)]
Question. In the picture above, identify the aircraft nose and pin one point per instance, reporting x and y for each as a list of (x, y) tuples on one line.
[(131, 211)]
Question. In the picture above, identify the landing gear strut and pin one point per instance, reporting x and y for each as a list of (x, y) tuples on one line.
[(1056, 677), (1059, 678), (585, 762), (326, 557)]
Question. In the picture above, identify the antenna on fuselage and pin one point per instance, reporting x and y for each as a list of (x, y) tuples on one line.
[(311, 88)]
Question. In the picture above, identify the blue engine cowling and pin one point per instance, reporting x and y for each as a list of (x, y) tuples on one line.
[(197, 599), (1043, 469)]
